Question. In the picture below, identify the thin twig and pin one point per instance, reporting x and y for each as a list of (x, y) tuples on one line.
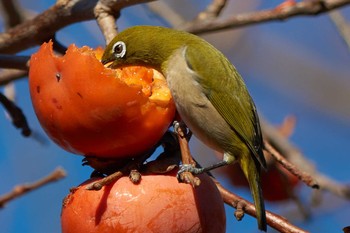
[(16, 114), (175, 19), (295, 157), (97, 185), (303, 176), (212, 11), (20, 190), (285, 147), (286, 154), (273, 220), (342, 25), (332, 186), (125, 170), (303, 8), (9, 75)]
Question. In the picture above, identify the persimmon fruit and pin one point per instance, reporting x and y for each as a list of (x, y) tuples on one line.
[(89, 109), (159, 203)]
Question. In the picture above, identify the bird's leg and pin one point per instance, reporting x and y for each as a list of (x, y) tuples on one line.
[(228, 159), (199, 170), (188, 164)]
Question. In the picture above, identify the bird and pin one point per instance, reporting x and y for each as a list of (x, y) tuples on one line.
[(209, 93)]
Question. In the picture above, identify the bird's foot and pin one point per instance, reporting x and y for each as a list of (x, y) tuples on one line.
[(186, 174), (190, 168)]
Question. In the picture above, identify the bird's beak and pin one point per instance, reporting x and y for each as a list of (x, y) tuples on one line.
[(107, 60)]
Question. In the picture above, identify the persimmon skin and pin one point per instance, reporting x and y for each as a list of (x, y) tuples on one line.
[(89, 109), (159, 203)]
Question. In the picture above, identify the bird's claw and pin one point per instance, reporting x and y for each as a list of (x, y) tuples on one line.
[(188, 178), (186, 175)]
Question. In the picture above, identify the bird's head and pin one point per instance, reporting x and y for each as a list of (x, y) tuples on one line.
[(144, 45)]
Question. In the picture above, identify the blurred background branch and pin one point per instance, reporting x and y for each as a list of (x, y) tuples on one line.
[(342, 25), (23, 189), (63, 13)]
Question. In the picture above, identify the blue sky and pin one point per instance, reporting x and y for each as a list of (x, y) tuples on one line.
[(299, 67)]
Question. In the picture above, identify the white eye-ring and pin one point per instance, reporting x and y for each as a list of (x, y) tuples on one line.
[(119, 49)]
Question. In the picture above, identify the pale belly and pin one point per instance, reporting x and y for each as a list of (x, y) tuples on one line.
[(196, 110)]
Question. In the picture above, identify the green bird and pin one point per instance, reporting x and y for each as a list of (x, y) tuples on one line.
[(209, 94)]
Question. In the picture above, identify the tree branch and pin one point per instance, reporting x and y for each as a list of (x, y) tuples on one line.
[(212, 11), (63, 13), (14, 62), (342, 25), (66, 12), (17, 116), (303, 176), (304, 8), (12, 13), (273, 220), (20, 190), (9, 75), (281, 145)]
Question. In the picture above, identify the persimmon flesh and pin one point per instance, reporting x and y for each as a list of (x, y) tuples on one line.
[(159, 203), (89, 109)]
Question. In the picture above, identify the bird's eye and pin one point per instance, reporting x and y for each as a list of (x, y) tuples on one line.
[(119, 49)]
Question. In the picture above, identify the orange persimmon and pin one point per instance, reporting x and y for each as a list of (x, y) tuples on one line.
[(89, 109), (159, 203)]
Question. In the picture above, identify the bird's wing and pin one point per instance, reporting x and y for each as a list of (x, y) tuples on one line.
[(229, 96)]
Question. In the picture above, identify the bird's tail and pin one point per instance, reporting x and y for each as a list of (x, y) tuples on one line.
[(251, 170)]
